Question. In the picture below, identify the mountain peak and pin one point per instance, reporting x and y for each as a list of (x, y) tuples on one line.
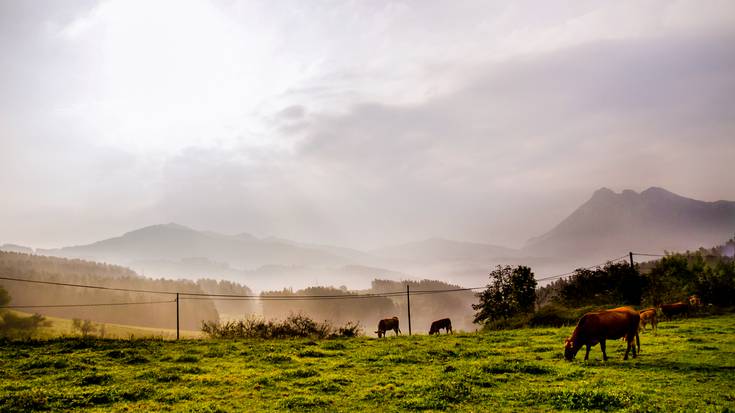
[(157, 228), (655, 190), (603, 194), (173, 225), (655, 219)]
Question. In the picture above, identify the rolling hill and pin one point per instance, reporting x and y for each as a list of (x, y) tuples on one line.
[(174, 242)]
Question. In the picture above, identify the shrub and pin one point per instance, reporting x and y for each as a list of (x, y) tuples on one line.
[(553, 315), (293, 326)]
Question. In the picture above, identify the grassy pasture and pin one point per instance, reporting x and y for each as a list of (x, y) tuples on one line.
[(688, 366), (62, 327)]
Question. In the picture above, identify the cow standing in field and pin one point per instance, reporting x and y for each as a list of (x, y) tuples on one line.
[(694, 301), (670, 310), (437, 325), (648, 316), (596, 327), (388, 324)]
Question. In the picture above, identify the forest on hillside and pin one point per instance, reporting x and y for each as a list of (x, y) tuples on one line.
[(707, 273), (75, 271)]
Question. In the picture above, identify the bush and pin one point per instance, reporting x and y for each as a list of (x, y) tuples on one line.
[(15, 326), (554, 315), (293, 326)]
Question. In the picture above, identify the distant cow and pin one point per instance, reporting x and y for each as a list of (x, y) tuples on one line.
[(670, 310), (388, 324), (694, 301), (596, 327), (648, 316), (437, 325)]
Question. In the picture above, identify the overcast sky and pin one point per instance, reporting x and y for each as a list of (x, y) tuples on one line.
[(355, 123)]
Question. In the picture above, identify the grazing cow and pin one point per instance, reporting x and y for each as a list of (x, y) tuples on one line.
[(670, 310), (388, 324), (596, 327), (694, 300), (648, 316), (437, 325)]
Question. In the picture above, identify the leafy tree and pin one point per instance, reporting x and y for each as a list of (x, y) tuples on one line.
[(86, 327), (511, 291), (13, 325), (716, 283), (4, 297), (524, 288), (611, 284)]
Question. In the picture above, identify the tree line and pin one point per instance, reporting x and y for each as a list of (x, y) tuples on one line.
[(75, 271), (512, 296)]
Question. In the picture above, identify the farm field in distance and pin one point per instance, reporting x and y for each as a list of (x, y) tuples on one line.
[(688, 366), (62, 327)]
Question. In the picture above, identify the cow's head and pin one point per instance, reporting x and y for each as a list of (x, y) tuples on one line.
[(433, 330), (570, 350), (380, 333)]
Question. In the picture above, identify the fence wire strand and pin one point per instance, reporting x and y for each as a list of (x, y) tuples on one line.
[(274, 297)]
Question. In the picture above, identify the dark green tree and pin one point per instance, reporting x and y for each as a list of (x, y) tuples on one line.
[(4, 297), (13, 325), (523, 288), (612, 284), (511, 291)]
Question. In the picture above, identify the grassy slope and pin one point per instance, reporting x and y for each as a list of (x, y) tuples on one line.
[(61, 327), (689, 365)]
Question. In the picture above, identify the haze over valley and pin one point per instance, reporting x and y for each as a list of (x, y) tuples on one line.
[(358, 146), (607, 226)]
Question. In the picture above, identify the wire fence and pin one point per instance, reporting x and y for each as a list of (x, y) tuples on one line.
[(182, 295)]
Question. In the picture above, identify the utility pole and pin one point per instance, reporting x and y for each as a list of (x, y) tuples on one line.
[(408, 301), (631, 260), (177, 316)]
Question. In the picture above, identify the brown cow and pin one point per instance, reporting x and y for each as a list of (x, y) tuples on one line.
[(670, 310), (388, 324), (437, 325), (596, 327), (694, 301), (649, 316)]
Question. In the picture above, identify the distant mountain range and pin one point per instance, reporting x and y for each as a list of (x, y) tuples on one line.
[(177, 242), (607, 225), (653, 220)]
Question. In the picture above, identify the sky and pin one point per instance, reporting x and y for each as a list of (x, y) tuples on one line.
[(357, 123)]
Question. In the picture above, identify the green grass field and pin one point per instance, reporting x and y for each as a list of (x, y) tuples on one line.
[(688, 366)]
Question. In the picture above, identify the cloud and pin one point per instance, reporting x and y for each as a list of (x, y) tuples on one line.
[(608, 113), (354, 123)]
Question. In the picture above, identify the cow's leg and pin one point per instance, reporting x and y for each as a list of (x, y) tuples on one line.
[(638, 343), (627, 349), (604, 350), (587, 353)]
